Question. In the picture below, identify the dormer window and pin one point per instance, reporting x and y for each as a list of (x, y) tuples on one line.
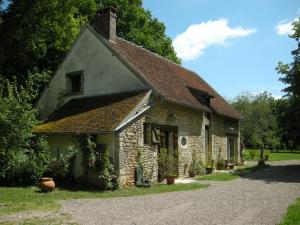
[(74, 82), (202, 96)]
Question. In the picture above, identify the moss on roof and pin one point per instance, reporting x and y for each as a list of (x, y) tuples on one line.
[(91, 115)]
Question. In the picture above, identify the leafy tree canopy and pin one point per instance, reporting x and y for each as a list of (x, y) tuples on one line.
[(37, 34), (259, 127), (23, 157), (137, 25), (289, 108)]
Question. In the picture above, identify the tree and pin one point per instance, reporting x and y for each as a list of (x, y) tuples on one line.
[(137, 25), (23, 157), (259, 127), (289, 108), (37, 34)]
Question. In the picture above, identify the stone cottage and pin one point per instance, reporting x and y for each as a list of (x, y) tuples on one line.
[(134, 101)]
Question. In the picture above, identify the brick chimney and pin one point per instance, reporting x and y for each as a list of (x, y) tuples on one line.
[(105, 23)]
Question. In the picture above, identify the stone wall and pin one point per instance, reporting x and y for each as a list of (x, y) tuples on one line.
[(130, 140), (127, 141), (222, 128), (190, 123), (219, 139)]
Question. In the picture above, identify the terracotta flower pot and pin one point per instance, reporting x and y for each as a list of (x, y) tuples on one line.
[(170, 179), (209, 170), (220, 167), (47, 184), (191, 173)]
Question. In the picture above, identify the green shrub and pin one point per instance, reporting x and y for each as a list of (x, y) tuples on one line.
[(96, 157), (220, 162), (266, 154), (252, 153), (107, 177), (23, 157), (200, 169), (166, 163), (197, 168), (25, 167)]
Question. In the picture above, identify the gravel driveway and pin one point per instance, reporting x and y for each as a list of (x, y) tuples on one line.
[(260, 198)]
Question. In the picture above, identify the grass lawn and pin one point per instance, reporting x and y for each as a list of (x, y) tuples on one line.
[(274, 156), (26, 199), (229, 176), (292, 216), (218, 177)]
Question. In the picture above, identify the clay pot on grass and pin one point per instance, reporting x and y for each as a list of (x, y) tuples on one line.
[(47, 184), (170, 179)]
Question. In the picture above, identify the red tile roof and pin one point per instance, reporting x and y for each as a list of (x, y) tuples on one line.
[(91, 115), (171, 80)]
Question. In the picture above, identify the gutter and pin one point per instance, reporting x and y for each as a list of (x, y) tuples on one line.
[(131, 119)]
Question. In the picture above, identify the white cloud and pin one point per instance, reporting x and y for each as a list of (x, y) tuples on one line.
[(191, 43), (284, 27), (260, 91)]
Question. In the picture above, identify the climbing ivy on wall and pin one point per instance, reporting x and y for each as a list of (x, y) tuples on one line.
[(96, 157)]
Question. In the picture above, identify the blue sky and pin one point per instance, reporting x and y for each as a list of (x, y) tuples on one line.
[(232, 44), (239, 48)]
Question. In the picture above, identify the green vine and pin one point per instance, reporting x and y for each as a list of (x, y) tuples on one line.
[(97, 158), (87, 144)]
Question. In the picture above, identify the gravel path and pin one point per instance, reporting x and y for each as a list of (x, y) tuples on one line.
[(260, 198)]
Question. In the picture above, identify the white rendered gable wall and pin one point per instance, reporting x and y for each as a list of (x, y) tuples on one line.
[(103, 73)]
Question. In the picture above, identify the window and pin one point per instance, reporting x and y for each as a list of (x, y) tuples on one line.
[(202, 96), (147, 134), (74, 82), (183, 141)]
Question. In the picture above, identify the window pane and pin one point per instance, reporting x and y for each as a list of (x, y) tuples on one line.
[(76, 83), (147, 133)]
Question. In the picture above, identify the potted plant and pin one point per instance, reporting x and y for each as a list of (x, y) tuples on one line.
[(229, 164), (196, 167), (191, 171), (166, 166), (209, 167), (220, 164)]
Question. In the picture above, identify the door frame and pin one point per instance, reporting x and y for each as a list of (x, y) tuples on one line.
[(232, 153), (171, 133)]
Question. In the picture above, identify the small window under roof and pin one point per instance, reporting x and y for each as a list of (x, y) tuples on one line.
[(202, 96), (74, 82)]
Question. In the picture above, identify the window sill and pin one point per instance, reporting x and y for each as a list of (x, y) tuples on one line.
[(73, 94)]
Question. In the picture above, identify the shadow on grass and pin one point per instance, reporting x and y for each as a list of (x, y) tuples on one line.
[(276, 173)]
